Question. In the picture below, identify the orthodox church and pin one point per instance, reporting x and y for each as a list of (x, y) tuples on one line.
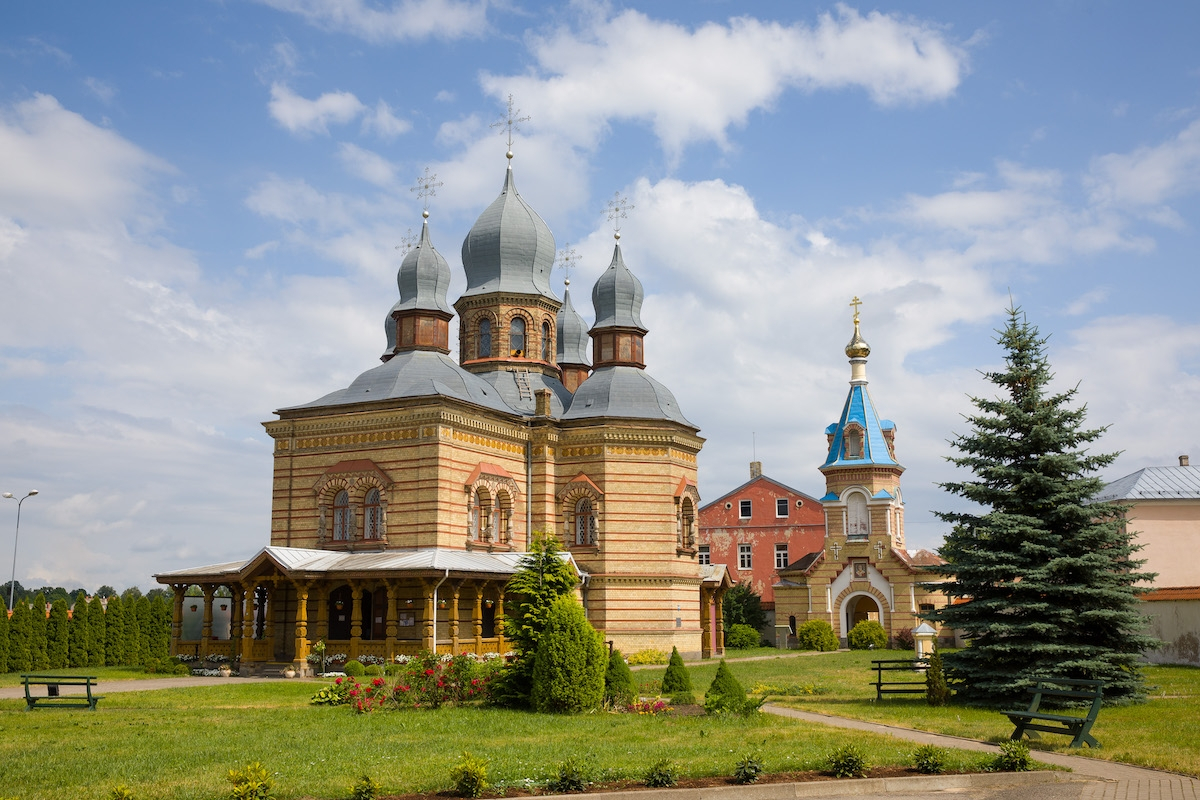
[(402, 503), (863, 571)]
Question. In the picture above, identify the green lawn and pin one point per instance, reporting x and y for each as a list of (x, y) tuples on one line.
[(102, 673), (1161, 733), (180, 743)]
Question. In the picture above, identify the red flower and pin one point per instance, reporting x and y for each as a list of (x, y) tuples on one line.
[(338, 681), (428, 672)]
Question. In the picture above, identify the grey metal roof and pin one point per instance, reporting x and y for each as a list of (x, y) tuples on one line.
[(509, 248), (617, 296), (623, 391), (1155, 483), (572, 334), (424, 277), (522, 399), (415, 373)]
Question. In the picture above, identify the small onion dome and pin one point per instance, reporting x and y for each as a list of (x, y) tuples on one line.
[(424, 278), (617, 296), (572, 334), (389, 330), (509, 248), (858, 347)]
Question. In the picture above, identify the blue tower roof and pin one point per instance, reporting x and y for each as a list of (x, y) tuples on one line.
[(859, 412)]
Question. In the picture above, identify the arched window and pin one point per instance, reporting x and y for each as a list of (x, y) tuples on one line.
[(516, 337), (585, 522), (485, 339), (854, 442), (341, 516), (475, 516), (858, 517), (545, 341), (372, 516), (687, 520)]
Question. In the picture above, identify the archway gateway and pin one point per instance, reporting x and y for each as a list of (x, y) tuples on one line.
[(860, 608)]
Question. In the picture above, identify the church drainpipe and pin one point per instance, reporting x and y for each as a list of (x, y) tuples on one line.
[(435, 608), (528, 493)]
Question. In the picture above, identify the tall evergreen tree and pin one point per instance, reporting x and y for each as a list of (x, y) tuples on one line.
[(114, 632), (38, 660), (158, 642), (58, 635), (80, 631), (4, 638), (132, 649), (1046, 579), (19, 656), (96, 632)]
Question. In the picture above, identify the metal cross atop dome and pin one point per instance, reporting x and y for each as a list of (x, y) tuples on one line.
[(566, 260), (406, 242), (616, 212), (855, 303), (510, 122), (426, 187)]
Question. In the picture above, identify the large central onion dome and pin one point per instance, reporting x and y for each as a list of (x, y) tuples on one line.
[(509, 249)]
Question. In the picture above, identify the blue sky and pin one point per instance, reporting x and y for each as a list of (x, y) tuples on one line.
[(200, 204)]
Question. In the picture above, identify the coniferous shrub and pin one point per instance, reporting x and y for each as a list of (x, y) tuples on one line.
[(569, 667), (904, 639), (619, 688), (58, 635), (19, 656), (79, 630), (741, 637), (937, 692), (816, 634), (134, 645), (676, 678), (158, 639), (95, 633), (725, 694), (867, 635), (38, 660), (114, 632), (147, 649)]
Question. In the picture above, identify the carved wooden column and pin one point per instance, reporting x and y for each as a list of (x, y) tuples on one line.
[(322, 624), (355, 618), (456, 588), (477, 618), (177, 618), (391, 629), (428, 638), (269, 623), (206, 625), (499, 616), (237, 595), (719, 644), (706, 648), (301, 656), (250, 589)]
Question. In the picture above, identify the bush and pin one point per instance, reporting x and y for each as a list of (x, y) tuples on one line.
[(1013, 757), (726, 696), (568, 671), (648, 657), (354, 668), (676, 678), (847, 762), (619, 688), (469, 776), (748, 769), (364, 789), (929, 759), (251, 782), (741, 637), (867, 635), (336, 694), (937, 691), (372, 669), (662, 775), (121, 792), (573, 776), (904, 639), (431, 681), (743, 606), (684, 698), (816, 634)]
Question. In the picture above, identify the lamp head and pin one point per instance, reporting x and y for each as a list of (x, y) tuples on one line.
[(32, 492), (8, 495)]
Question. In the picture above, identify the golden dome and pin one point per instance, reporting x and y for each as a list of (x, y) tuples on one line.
[(858, 347)]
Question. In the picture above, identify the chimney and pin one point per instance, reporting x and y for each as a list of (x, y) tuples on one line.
[(542, 403), (755, 469), (1183, 461)]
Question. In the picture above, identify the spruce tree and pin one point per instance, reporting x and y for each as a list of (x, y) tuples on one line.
[(58, 635), (19, 656), (568, 672), (114, 632), (619, 687), (158, 641), (38, 661), (1045, 579), (677, 678), (95, 633), (79, 631), (133, 633), (4, 639), (145, 619)]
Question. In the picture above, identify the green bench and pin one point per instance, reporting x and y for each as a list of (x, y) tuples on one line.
[(54, 698), (1035, 719), (906, 665)]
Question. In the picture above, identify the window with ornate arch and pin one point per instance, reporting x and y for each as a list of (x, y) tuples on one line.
[(585, 522), (343, 523), (686, 535), (546, 341), (372, 516), (476, 517), (858, 516), (516, 336), (485, 339)]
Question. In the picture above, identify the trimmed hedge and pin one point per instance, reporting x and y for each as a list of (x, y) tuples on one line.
[(741, 637), (816, 634), (867, 635)]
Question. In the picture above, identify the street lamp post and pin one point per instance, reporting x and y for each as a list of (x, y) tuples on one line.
[(12, 582)]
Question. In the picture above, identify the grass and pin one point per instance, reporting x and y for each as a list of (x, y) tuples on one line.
[(102, 673), (1161, 733), (180, 743)]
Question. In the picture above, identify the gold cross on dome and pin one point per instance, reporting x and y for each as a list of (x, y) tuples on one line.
[(426, 187), (617, 208), (855, 303), (406, 242), (510, 122), (566, 261)]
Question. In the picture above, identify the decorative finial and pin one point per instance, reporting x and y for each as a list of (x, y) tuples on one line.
[(855, 303), (616, 212), (510, 122), (426, 187), (858, 347), (406, 242), (566, 261)]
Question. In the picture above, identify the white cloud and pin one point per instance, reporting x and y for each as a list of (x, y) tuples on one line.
[(402, 21), (692, 85), (384, 124), (367, 165), (102, 89), (301, 115), (1150, 175)]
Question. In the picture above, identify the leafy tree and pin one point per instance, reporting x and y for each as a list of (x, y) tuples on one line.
[(80, 632), (162, 592), (19, 654), (38, 660), (568, 671), (743, 606), (619, 687), (95, 633), (542, 577), (114, 632), (58, 635), (4, 641), (18, 594), (106, 591), (1046, 577), (677, 678), (133, 592)]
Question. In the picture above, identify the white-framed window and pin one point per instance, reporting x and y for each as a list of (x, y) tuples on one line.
[(781, 507), (372, 516), (704, 556), (745, 557), (744, 509), (341, 516), (781, 555)]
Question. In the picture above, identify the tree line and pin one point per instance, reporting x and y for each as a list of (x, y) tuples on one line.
[(126, 630)]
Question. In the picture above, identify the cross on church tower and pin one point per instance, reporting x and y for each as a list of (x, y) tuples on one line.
[(855, 303), (566, 261), (617, 208), (406, 242), (426, 187), (878, 551), (837, 550), (510, 122)]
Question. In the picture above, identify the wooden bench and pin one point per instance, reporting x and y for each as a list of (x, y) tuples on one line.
[(909, 665), (1034, 719), (53, 698)]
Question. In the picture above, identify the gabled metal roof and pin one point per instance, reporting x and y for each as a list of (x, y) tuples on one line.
[(1155, 483), (860, 411)]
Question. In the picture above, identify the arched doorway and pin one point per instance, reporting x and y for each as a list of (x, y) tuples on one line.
[(861, 607)]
